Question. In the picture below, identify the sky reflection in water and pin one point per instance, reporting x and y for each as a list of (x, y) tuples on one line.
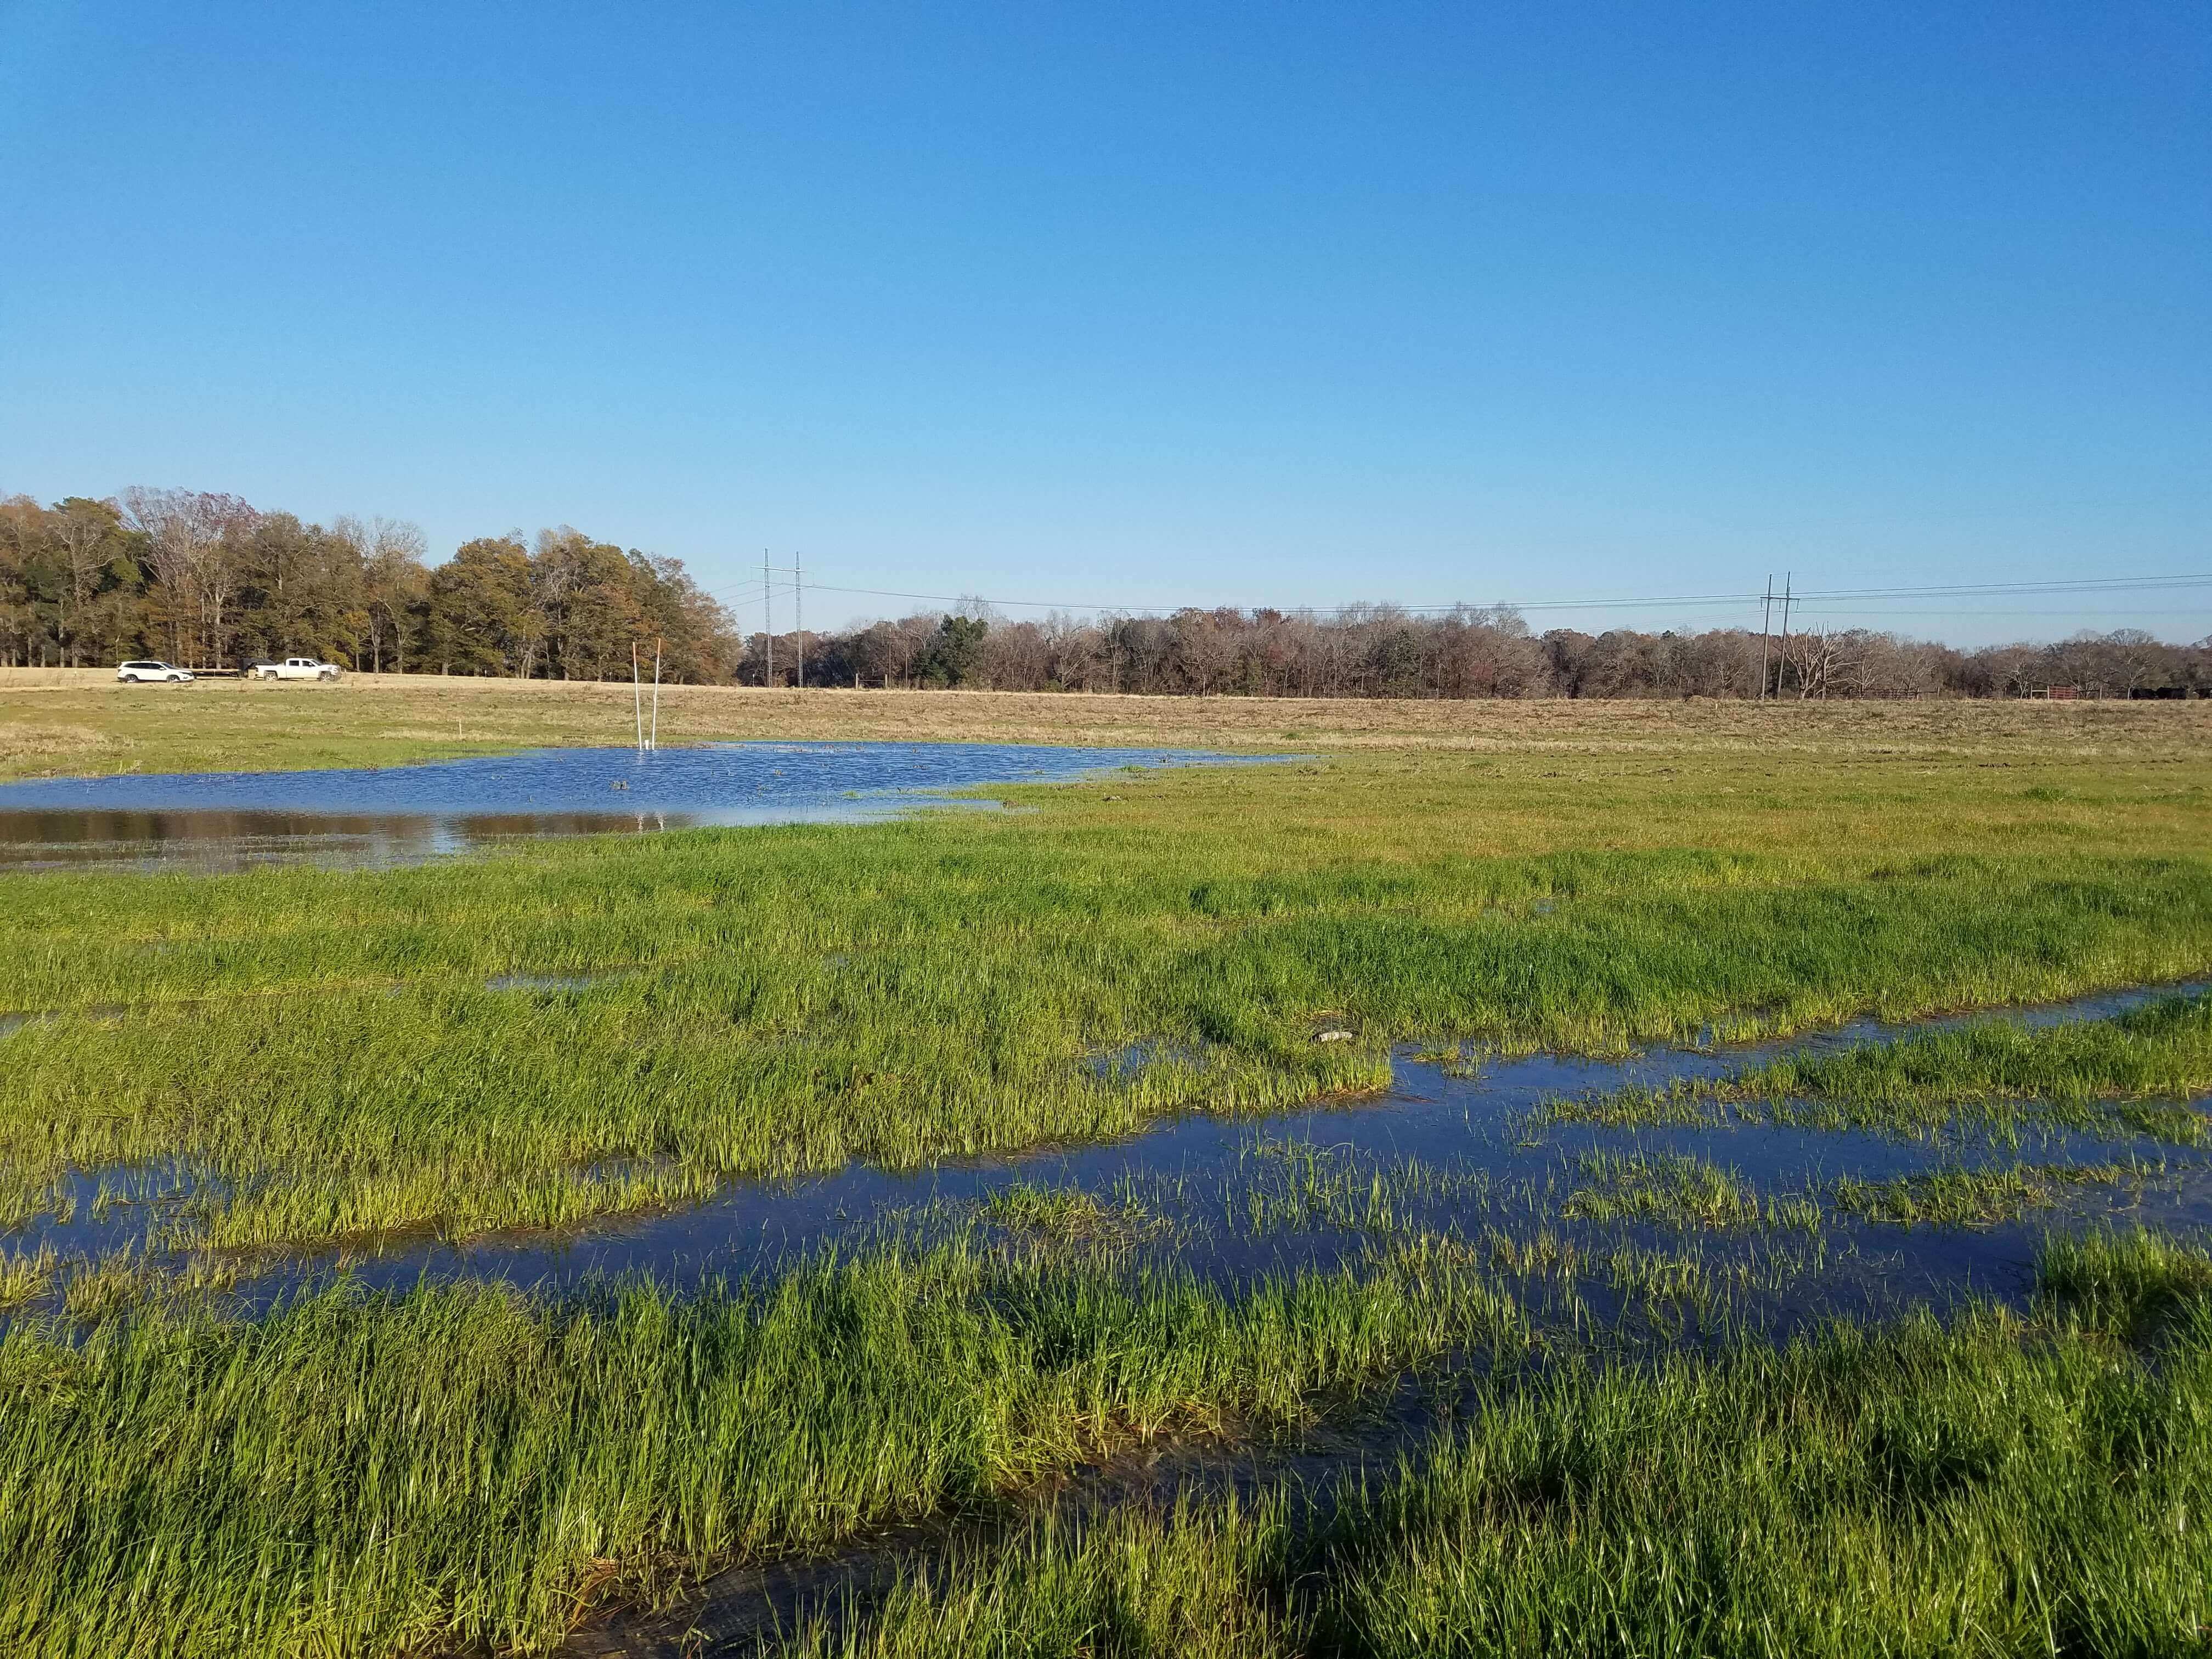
[(211, 822)]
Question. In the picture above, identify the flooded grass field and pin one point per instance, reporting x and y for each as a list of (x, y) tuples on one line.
[(1914, 1197), (208, 823), (1387, 1205)]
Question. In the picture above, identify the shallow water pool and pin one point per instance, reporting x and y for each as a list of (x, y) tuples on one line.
[(218, 820), (1464, 1153)]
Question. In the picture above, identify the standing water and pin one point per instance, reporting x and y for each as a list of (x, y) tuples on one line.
[(213, 821)]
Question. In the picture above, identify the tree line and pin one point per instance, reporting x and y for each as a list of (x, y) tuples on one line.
[(1381, 651), (208, 580)]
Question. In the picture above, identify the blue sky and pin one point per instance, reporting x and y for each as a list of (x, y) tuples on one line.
[(1145, 305)]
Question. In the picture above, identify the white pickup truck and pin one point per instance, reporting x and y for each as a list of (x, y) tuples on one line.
[(294, 668)]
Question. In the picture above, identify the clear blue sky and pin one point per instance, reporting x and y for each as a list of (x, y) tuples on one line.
[(1146, 305)]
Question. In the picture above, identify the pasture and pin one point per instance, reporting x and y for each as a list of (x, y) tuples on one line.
[(1889, 1340)]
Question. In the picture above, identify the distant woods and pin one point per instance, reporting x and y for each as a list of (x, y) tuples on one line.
[(1379, 651), (207, 580)]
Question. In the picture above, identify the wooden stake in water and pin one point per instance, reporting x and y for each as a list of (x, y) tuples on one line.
[(654, 742), (637, 696)]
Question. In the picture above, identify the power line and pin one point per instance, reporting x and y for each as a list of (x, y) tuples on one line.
[(741, 595), (1845, 611), (1286, 610), (2087, 585)]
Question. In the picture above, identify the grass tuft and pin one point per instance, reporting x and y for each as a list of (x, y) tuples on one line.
[(2130, 1284)]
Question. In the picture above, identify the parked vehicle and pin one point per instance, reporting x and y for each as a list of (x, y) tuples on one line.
[(139, 673), (294, 668)]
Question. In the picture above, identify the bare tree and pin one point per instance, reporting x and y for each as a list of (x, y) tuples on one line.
[(391, 552), (2136, 658), (193, 537), (1825, 660)]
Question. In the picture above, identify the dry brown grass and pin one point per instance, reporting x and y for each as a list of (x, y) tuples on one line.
[(60, 722), (34, 747)]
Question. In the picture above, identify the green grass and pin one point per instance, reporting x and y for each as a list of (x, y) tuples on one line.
[(2163, 1048), (1977, 1198), (2130, 1284), (1910, 1490), (1195, 1582), (365, 1474), (2129, 1075), (1655, 1289), (25, 1276), (1923, 1492), (326, 1046), (1921, 1489), (372, 1475), (390, 1475), (1283, 1184), (325, 1049), (1676, 1190), (1068, 1215), (27, 1194)]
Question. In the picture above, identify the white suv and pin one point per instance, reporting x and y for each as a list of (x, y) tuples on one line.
[(150, 671)]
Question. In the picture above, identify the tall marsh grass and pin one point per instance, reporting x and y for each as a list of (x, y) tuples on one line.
[(1982, 1487), (362, 1474), (381, 1475), (901, 993), (2135, 1073)]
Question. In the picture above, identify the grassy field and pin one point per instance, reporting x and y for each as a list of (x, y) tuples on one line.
[(467, 1467), (326, 1060), (329, 1052), (1922, 1490), (79, 722), (353, 1476)]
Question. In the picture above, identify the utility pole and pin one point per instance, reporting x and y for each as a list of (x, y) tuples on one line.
[(1788, 578), (798, 619), (768, 623), (1765, 623)]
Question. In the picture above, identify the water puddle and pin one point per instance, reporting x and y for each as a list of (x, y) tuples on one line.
[(119, 1209), (1130, 1061), (106, 1013), (1454, 1151), (545, 982), (208, 823)]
